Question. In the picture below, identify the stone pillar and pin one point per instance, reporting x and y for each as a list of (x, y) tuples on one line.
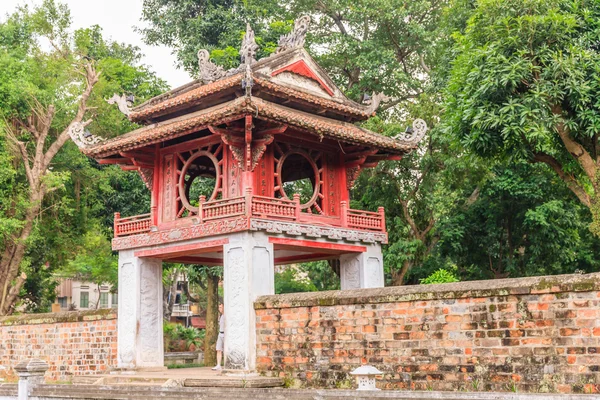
[(362, 270), (31, 373), (248, 273), (140, 323)]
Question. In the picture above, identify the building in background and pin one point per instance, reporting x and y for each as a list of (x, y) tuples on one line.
[(73, 294)]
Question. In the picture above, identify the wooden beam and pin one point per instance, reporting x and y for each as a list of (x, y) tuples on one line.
[(197, 260), (129, 167), (303, 244), (111, 161), (183, 250), (273, 131), (303, 258), (147, 157), (360, 154)]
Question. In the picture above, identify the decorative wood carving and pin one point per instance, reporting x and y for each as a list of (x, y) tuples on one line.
[(292, 228), (247, 150), (314, 157), (147, 175), (210, 228), (168, 188), (352, 174), (259, 147), (185, 178)]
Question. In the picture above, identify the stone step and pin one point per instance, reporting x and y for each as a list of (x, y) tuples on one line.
[(95, 392)]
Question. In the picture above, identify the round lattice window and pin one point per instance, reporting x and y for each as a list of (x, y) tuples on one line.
[(297, 172), (198, 177)]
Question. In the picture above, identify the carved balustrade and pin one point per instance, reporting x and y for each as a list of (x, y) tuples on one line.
[(221, 209), (131, 225), (363, 220), (261, 207), (268, 207)]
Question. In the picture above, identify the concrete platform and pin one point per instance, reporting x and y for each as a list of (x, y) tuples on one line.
[(180, 377)]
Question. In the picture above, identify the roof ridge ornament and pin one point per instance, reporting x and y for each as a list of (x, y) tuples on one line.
[(374, 101), (249, 47), (208, 70), (296, 37), (414, 134), (122, 102), (81, 136)]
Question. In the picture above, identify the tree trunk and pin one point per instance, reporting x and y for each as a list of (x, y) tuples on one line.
[(399, 279), (169, 293), (212, 319), (10, 280)]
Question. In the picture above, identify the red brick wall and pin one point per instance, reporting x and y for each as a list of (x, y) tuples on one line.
[(529, 334), (72, 343)]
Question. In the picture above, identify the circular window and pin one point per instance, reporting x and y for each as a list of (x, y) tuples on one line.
[(198, 177), (298, 173)]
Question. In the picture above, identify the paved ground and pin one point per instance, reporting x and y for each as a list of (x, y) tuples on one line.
[(188, 377)]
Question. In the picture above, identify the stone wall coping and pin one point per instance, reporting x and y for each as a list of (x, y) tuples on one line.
[(470, 289), (155, 392), (60, 317)]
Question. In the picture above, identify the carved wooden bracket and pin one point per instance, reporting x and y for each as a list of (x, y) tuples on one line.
[(352, 174), (247, 150), (147, 175)]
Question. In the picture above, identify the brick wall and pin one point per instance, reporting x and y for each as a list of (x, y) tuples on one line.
[(72, 343), (532, 334)]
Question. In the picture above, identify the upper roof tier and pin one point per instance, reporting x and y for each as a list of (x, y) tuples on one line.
[(287, 87), (291, 77)]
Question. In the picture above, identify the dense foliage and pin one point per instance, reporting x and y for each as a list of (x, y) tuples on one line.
[(525, 86), (65, 221)]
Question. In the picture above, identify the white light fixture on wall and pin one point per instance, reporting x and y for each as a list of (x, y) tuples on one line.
[(365, 377)]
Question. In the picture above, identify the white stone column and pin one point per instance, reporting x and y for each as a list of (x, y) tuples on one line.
[(249, 272), (140, 322), (362, 270)]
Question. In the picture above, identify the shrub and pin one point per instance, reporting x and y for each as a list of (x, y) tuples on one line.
[(440, 276)]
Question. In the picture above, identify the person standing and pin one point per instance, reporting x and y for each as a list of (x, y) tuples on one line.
[(220, 338)]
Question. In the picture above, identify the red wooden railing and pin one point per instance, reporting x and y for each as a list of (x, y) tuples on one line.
[(259, 207), (131, 225), (268, 207), (363, 220), (220, 209)]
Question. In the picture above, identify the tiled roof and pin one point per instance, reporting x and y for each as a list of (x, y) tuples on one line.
[(351, 108), (195, 95), (154, 106), (320, 126), (328, 127), (170, 129)]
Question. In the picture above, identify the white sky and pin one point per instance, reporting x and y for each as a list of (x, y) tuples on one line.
[(117, 19)]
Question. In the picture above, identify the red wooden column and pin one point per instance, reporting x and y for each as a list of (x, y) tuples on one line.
[(247, 175), (155, 187)]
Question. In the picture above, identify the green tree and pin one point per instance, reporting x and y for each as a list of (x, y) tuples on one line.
[(525, 85), (50, 197), (523, 223)]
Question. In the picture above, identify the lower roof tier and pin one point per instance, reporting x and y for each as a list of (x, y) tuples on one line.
[(309, 124)]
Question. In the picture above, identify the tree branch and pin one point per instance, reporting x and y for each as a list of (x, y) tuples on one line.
[(569, 179), (91, 78), (574, 148)]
